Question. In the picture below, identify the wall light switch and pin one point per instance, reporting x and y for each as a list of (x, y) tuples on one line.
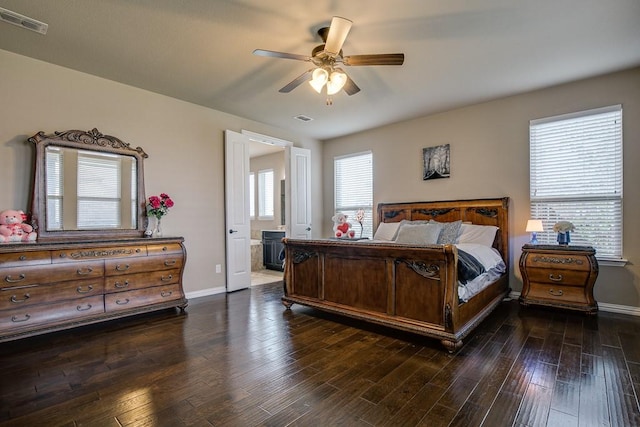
[(218, 268)]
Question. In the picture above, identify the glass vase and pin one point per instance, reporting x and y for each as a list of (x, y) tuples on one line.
[(158, 230), (564, 238)]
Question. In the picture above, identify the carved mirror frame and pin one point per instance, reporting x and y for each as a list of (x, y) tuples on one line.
[(91, 140)]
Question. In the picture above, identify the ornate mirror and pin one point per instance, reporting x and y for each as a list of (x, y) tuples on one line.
[(86, 186)]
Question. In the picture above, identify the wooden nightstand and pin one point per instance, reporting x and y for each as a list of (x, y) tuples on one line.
[(559, 276)]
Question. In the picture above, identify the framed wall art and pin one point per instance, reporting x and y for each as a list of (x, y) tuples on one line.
[(436, 162)]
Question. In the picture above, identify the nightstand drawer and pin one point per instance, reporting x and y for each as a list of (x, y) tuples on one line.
[(558, 276), (558, 293), (558, 261)]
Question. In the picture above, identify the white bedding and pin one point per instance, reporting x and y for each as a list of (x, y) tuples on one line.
[(493, 264)]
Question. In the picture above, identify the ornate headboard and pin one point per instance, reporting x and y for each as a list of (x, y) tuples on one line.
[(477, 211)]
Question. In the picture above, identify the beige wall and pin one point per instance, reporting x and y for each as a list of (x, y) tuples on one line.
[(490, 158), (185, 143), (270, 161)]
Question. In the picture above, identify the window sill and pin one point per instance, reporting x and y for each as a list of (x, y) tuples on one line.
[(609, 262)]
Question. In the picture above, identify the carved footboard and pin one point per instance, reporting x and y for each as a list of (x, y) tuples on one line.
[(409, 288)]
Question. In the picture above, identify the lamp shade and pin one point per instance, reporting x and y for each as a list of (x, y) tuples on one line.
[(318, 79), (337, 80), (534, 225)]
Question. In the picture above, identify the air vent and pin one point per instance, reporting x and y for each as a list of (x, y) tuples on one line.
[(23, 21), (302, 118)]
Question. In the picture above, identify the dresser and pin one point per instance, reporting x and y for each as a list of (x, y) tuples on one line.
[(559, 276), (47, 287)]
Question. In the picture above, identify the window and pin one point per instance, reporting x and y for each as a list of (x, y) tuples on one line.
[(252, 195), (576, 176), (265, 194), (354, 189)]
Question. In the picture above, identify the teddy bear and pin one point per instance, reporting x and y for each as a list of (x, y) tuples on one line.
[(341, 227), (13, 228)]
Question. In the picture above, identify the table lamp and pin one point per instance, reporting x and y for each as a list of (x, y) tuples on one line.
[(533, 227)]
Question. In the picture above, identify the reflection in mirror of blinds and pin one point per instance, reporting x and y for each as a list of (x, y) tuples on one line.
[(89, 190)]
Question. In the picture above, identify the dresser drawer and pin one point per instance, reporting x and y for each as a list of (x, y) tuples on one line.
[(141, 280), (565, 262), (558, 277), (20, 276), (557, 293), (169, 248), (115, 267), (141, 297), (29, 295), (87, 254), (26, 317), (18, 259)]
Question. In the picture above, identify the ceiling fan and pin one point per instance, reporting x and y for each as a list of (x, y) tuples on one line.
[(327, 57)]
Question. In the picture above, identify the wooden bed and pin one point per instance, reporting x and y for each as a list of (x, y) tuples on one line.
[(408, 287)]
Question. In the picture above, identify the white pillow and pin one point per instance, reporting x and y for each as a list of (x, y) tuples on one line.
[(386, 231), (418, 234), (481, 234)]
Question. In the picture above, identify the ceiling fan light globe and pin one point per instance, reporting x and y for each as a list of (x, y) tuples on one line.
[(336, 82), (318, 79)]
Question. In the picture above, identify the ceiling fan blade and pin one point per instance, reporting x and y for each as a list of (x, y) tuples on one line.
[(337, 34), (297, 81), (350, 87), (274, 54), (379, 59)]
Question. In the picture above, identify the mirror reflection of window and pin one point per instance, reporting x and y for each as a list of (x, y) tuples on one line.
[(93, 190)]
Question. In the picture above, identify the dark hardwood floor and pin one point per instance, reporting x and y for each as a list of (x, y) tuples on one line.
[(242, 360)]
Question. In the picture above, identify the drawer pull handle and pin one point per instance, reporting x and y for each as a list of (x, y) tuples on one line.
[(164, 248), (167, 278), (170, 262), (22, 258), (15, 299), (15, 319), (81, 290), (80, 308), (165, 294), (137, 250), (84, 271), (10, 279), (557, 293), (119, 267), (121, 285), (555, 278), (122, 302)]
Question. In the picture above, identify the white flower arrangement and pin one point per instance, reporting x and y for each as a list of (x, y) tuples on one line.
[(563, 227)]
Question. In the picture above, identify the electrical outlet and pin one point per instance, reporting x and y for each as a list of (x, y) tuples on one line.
[(218, 268)]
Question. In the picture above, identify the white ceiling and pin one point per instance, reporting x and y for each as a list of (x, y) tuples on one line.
[(457, 52)]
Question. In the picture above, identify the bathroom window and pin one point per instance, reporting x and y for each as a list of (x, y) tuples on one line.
[(265, 194), (252, 195)]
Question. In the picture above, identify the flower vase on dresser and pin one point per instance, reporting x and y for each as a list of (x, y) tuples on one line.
[(157, 207), (158, 231)]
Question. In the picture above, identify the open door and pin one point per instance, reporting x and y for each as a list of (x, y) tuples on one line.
[(298, 184), (237, 220)]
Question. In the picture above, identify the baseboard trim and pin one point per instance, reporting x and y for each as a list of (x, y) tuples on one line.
[(602, 306), (205, 292)]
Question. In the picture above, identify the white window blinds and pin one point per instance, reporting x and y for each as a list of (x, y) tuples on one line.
[(576, 176), (265, 194), (354, 189), (98, 174)]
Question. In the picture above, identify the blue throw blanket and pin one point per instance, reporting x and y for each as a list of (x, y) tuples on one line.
[(468, 267)]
